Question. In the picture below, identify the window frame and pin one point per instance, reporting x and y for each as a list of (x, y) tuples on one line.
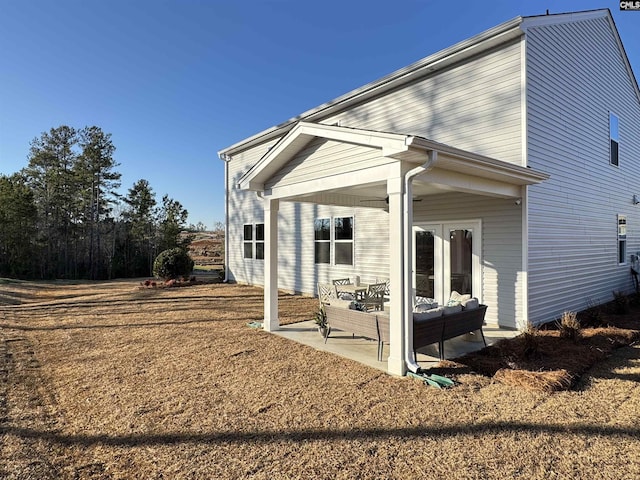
[(614, 139), (622, 239), (343, 241), (333, 240), (258, 242), (321, 241), (253, 243), (247, 242)]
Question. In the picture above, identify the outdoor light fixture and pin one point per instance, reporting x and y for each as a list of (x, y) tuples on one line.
[(636, 200)]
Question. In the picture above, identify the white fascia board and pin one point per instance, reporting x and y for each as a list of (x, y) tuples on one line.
[(623, 52), (378, 174), (469, 183), (429, 65), (558, 18), (487, 167), (390, 143), (555, 19)]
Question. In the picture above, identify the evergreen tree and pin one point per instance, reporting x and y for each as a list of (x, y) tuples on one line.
[(140, 242), (98, 184), (52, 159), (18, 217), (172, 218)]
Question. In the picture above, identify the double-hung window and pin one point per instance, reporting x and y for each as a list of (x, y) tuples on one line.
[(322, 243), (333, 240), (247, 240), (614, 139), (253, 241), (622, 239), (343, 240)]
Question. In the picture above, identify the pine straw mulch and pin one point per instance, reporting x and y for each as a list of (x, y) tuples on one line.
[(543, 360), (107, 381)]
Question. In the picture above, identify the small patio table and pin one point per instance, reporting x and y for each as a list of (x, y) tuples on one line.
[(357, 291)]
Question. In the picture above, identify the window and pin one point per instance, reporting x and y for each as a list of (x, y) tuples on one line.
[(339, 239), (248, 241), (622, 239), (614, 139), (253, 241), (322, 243), (259, 241), (343, 240)]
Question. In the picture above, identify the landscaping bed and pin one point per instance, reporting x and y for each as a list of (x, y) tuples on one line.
[(552, 358)]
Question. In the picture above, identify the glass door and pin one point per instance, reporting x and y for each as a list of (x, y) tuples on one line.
[(426, 263), (447, 258)]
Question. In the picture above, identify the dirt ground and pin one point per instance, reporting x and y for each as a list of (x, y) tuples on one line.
[(110, 381)]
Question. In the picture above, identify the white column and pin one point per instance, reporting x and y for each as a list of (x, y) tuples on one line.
[(271, 321), (396, 364)]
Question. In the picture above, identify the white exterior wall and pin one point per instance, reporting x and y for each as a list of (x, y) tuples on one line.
[(501, 260), (575, 76), (475, 106), (324, 158), (243, 207), (297, 271)]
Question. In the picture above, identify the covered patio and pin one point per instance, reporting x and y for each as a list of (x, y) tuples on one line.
[(333, 165), (363, 350)]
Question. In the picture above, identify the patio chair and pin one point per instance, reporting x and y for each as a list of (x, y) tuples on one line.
[(326, 293), (387, 289), (374, 297), (340, 281)]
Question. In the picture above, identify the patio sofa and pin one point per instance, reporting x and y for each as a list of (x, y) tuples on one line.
[(431, 326), (374, 325), (440, 324)]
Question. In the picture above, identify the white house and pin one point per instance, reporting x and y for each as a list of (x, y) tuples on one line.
[(507, 166)]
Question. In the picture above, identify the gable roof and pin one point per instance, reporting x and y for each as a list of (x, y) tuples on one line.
[(479, 43), (554, 19), (392, 145)]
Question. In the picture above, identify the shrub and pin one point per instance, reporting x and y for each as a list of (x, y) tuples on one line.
[(530, 338), (569, 326), (172, 263)]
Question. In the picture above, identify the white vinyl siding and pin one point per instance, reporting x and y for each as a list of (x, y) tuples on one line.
[(324, 158), (244, 207), (501, 261), (475, 105), (575, 77)]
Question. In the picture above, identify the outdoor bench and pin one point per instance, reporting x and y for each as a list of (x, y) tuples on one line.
[(374, 325), (444, 327)]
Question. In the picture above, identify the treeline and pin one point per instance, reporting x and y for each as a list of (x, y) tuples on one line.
[(62, 215)]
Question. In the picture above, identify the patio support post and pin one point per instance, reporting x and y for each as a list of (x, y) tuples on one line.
[(271, 322), (396, 364)]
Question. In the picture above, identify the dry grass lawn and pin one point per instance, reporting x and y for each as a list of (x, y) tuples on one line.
[(109, 381)]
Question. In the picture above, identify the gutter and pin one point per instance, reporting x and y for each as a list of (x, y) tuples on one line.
[(409, 357)]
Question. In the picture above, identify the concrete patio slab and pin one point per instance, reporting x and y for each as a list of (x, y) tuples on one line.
[(365, 351)]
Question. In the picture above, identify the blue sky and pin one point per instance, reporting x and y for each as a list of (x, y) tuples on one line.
[(176, 81)]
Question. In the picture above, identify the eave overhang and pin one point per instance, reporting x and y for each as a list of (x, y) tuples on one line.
[(455, 167)]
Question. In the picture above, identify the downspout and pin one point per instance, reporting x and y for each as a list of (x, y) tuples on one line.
[(226, 159), (409, 357)]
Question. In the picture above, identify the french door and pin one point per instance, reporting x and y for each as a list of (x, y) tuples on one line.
[(447, 258)]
